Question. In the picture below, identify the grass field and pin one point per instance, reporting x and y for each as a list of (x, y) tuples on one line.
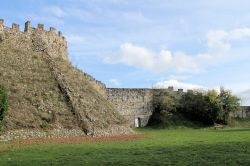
[(156, 147)]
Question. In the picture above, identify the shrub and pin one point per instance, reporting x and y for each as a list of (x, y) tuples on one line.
[(203, 107), (209, 107), (45, 126), (206, 108), (230, 104), (164, 106), (3, 104)]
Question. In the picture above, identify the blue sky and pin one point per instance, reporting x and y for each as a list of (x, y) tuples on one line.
[(145, 43)]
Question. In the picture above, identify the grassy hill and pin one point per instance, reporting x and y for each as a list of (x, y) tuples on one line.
[(48, 93)]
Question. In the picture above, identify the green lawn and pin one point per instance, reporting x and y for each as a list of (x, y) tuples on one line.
[(158, 147)]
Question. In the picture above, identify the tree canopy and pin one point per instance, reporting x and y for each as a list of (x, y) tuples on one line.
[(207, 107)]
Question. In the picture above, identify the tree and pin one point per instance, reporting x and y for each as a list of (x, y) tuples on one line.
[(197, 106), (215, 105), (164, 106), (209, 107), (230, 104)]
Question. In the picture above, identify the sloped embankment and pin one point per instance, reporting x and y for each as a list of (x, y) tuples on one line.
[(95, 115), (47, 93)]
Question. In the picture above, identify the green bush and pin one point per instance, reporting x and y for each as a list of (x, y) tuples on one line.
[(3, 104), (45, 126), (209, 107), (203, 108), (230, 104), (164, 106)]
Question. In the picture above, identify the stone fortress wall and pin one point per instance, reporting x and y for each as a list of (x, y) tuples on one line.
[(136, 105), (38, 39)]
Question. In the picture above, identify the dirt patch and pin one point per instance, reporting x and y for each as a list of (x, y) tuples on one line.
[(81, 139)]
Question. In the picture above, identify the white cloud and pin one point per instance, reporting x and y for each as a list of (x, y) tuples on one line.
[(115, 82), (178, 85), (141, 57), (219, 47), (244, 95), (134, 56)]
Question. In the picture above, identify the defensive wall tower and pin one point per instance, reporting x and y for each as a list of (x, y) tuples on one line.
[(51, 42), (38, 39)]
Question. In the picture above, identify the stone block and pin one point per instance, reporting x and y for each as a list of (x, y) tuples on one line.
[(40, 27), (27, 27), (15, 27), (52, 30)]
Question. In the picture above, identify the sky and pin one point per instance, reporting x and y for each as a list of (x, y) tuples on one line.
[(150, 43)]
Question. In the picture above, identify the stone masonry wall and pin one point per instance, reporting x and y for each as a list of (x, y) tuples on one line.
[(137, 104), (132, 104), (38, 39), (98, 85), (244, 112)]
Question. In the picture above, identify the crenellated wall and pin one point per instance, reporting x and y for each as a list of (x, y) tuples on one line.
[(37, 39), (44, 88)]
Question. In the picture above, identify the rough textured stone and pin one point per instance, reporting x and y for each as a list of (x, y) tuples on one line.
[(133, 104), (136, 105), (36, 39), (46, 92)]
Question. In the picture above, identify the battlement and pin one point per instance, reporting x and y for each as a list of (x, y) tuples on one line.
[(27, 28), (38, 39)]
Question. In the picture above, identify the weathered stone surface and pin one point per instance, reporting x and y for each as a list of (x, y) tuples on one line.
[(25, 134), (36, 39), (46, 92), (136, 105), (133, 104)]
